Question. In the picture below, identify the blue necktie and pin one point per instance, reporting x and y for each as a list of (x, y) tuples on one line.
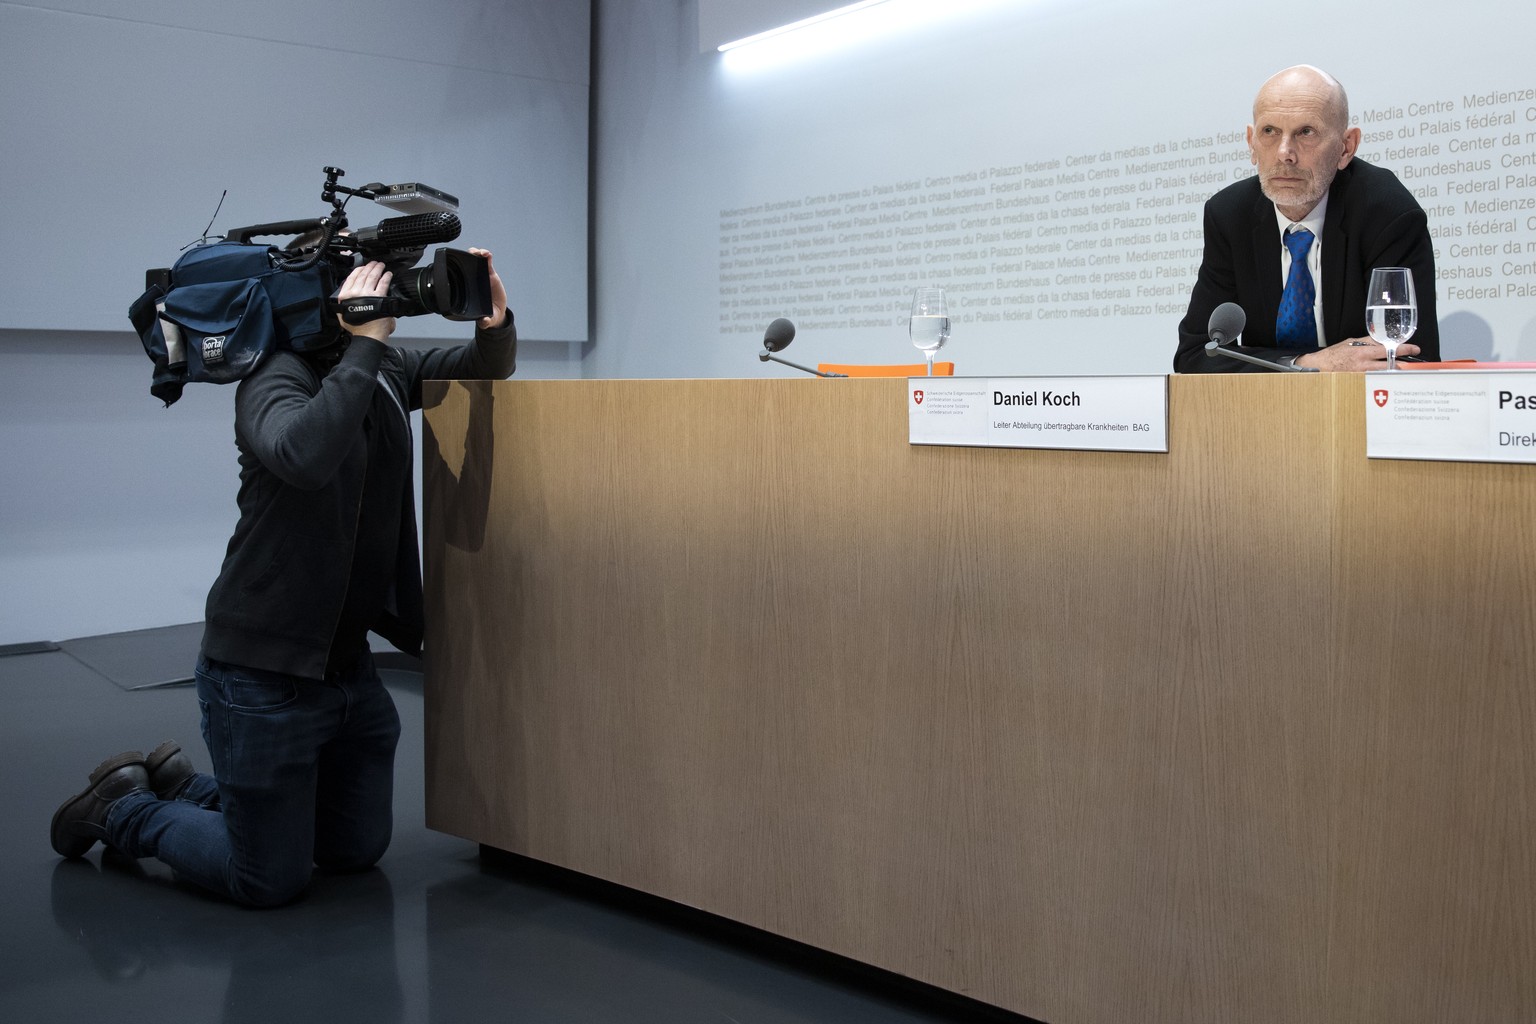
[(1296, 326)]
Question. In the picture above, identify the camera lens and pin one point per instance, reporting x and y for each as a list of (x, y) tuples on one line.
[(455, 285)]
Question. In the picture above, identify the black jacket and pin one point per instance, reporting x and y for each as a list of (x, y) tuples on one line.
[(1372, 221), (325, 548)]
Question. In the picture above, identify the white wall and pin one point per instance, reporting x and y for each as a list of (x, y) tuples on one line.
[(682, 138)]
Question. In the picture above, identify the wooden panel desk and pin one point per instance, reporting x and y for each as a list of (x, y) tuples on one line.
[(1243, 733)]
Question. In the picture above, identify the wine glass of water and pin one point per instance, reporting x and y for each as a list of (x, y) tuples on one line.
[(930, 322), (1391, 311)]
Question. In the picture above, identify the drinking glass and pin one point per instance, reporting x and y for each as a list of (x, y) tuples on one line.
[(930, 322), (1391, 310)]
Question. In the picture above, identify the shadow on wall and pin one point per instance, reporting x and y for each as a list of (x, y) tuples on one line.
[(1466, 336), (1525, 350), (1469, 336)]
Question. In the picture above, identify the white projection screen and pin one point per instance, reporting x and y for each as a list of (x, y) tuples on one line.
[(126, 126), (1046, 162)]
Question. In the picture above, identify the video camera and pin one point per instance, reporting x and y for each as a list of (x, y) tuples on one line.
[(226, 303)]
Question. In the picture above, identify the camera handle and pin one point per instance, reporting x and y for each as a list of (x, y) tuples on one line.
[(362, 308)]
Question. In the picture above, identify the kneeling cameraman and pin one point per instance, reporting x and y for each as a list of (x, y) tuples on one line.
[(299, 726)]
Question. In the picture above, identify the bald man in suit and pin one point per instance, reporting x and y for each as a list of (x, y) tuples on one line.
[(1358, 217)]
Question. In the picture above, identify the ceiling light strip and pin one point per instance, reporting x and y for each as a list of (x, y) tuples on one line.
[(802, 23)]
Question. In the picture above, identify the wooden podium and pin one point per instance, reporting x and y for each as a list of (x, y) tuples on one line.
[(1237, 734)]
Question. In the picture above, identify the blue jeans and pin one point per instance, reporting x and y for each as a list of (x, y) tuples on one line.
[(303, 775)]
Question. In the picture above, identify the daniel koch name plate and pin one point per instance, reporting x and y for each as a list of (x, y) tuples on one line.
[(1111, 414), (1451, 415)]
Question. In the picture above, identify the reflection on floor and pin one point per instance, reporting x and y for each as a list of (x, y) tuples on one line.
[(438, 933)]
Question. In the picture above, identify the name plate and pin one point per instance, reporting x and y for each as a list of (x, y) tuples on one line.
[(1451, 415), (1110, 414)]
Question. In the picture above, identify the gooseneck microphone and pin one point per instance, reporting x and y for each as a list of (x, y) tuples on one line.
[(777, 338), (1226, 323)]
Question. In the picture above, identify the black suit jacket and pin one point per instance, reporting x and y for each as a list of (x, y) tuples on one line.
[(1372, 221)]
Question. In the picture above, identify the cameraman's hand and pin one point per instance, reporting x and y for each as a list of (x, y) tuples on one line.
[(368, 279), (498, 294)]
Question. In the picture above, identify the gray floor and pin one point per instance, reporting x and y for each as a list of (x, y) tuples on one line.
[(437, 933)]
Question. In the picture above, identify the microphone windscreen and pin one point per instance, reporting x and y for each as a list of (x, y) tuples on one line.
[(1226, 322), (779, 334), (418, 230)]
